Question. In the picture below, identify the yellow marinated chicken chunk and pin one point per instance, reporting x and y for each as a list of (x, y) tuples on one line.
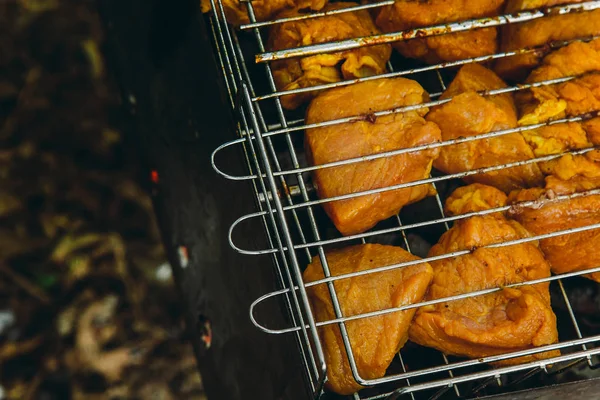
[(405, 15), (568, 175), (374, 341), (572, 98), (540, 32), (236, 12), (302, 72), (471, 114), (497, 323)]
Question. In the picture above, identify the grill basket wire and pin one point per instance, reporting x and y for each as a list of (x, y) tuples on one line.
[(297, 229)]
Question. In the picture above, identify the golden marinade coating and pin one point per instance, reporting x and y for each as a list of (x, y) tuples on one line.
[(374, 341), (236, 12), (573, 98), (470, 114), (540, 32), (473, 198), (324, 68), (509, 320), (575, 251), (370, 136), (408, 14)]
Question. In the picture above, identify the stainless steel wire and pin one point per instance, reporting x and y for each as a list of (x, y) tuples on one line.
[(435, 67), (272, 190), (498, 371), (415, 225), (444, 29), (313, 15), (414, 305), (313, 224), (314, 373), (397, 152)]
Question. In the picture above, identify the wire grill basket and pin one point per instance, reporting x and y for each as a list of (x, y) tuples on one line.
[(271, 141)]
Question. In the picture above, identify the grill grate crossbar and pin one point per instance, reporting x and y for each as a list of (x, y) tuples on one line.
[(444, 29), (282, 192), (490, 373), (444, 220), (410, 306), (392, 153), (435, 67), (313, 371), (321, 252)]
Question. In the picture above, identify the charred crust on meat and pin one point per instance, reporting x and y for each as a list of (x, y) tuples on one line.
[(420, 33), (371, 118)]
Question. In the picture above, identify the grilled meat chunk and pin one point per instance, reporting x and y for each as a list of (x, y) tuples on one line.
[(409, 14), (540, 32), (509, 320), (371, 135), (376, 340), (310, 71), (469, 114), (236, 12), (571, 98), (568, 99), (575, 251)]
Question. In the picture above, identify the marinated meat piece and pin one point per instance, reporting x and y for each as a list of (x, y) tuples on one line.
[(474, 198), (324, 68), (539, 32), (236, 12), (471, 114), (410, 14), (509, 320), (367, 137), (574, 97), (569, 99), (592, 129), (559, 138), (575, 251), (376, 340), (555, 139)]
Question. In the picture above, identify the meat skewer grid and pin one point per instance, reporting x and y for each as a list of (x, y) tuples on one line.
[(275, 164)]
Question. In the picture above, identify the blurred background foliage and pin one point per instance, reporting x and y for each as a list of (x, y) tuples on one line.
[(87, 305)]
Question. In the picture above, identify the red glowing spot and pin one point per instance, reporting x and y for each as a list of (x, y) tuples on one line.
[(206, 335), (184, 257), (154, 176)]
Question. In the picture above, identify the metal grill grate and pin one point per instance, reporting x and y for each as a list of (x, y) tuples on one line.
[(270, 140)]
